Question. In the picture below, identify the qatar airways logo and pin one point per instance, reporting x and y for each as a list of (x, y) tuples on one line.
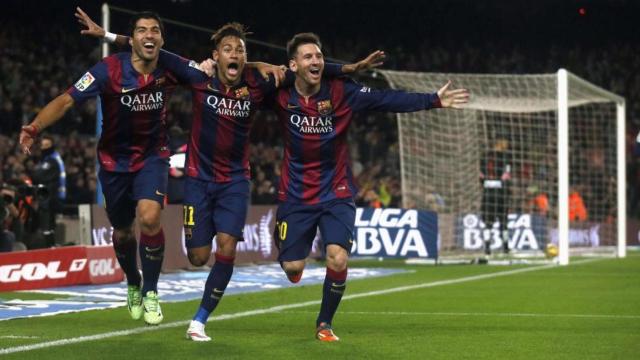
[(143, 102), (312, 124), (229, 107)]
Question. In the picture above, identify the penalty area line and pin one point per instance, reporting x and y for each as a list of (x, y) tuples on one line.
[(273, 309)]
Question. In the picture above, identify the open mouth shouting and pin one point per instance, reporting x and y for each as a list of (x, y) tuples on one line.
[(233, 69), (314, 72), (149, 47)]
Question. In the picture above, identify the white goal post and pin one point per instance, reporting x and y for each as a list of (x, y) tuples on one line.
[(566, 148)]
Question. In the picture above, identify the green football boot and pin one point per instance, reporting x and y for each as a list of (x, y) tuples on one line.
[(152, 311), (134, 301)]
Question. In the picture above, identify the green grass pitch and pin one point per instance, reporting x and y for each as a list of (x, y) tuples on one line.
[(588, 310)]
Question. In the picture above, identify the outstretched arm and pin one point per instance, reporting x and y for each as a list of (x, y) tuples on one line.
[(95, 30), (374, 60), (48, 116), (207, 66), (166, 58), (332, 70), (267, 70), (363, 98)]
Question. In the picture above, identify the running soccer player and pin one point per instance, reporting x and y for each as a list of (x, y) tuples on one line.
[(316, 187), (133, 153), (217, 190)]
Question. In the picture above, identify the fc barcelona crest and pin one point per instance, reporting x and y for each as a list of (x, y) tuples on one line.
[(324, 107), (242, 93)]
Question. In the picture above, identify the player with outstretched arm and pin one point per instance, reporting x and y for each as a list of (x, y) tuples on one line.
[(316, 187)]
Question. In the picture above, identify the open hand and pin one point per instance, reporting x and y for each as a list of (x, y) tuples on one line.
[(276, 70), (453, 98), (374, 60), (92, 29)]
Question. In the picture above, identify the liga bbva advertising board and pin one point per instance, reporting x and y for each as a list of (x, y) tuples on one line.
[(526, 232), (396, 233)]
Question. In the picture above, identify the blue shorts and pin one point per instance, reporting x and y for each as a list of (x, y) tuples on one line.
[(209, 208), (123, 190), (297, 224)]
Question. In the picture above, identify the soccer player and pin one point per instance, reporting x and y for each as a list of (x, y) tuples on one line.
[(132, 151), (495, 175), (316, 186), (217, 190)]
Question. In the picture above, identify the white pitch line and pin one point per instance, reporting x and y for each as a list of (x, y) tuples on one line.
[(273, 309), (410, 313)]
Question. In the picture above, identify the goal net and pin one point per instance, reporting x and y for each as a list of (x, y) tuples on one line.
[(559, 138)]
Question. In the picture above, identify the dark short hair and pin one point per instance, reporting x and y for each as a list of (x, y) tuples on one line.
[(301, 39), (44, 137), (47, 137), (230, 29), (145, 15)]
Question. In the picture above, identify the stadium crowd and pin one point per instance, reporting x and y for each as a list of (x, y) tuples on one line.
[(27, 84)]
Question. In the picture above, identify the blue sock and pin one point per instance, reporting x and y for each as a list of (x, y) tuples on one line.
[(332, 291), (217, 282), (126, 254), (202, 315), (151, 256)]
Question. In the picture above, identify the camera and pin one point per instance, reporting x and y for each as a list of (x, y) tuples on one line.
[(40, 191), (12, 193)]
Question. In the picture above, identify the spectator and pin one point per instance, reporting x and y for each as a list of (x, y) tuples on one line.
[(49, 177), (538, 202), (577, 209), (372, 199), (8, 214)]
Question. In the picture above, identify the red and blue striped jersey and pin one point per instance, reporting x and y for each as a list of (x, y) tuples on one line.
[(316, 164), (133, 108), (218, 148)]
